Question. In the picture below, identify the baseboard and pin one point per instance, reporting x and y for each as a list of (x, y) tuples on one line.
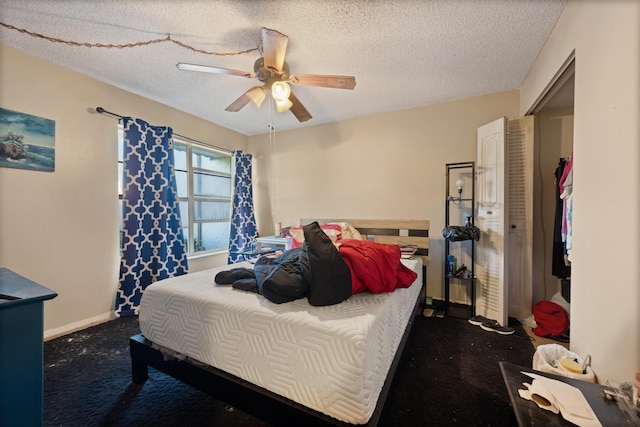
[(50, 334)]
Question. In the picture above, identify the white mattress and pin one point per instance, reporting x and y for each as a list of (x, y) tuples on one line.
[(332, 359)]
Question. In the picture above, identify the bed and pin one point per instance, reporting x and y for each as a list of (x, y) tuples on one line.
[(291, 363)]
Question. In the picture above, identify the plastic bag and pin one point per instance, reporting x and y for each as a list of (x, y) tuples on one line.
[(547, 359), (456, 233), (622, 393)]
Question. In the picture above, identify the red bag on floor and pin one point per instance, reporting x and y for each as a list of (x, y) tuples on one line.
[(551, 319)]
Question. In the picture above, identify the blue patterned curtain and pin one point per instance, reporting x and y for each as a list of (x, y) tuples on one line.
[(153, 247), (243, 220)]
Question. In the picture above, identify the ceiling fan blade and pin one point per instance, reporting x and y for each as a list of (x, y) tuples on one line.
[(239, 103), (256, 95), (299, 110), (321, 80), (213, 70), (274, 45)]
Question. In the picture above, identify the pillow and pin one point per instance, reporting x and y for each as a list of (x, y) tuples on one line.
[(335, 230), (348, 231), (297, 237)]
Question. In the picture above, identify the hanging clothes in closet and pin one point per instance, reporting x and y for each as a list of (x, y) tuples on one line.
[(563, 214), (566, 194)]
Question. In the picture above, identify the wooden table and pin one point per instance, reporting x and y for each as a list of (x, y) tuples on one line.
[(529, 414)]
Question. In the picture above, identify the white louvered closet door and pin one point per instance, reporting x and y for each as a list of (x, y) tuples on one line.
[(520, 216), (504, 188), (491, 294)]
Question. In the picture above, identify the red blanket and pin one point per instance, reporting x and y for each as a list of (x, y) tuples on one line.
[(375, 267)]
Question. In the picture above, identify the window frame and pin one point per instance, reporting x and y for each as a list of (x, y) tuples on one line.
[(188, 224), (192, 198)]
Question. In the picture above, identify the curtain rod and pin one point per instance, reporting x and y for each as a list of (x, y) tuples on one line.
[(103, 111)]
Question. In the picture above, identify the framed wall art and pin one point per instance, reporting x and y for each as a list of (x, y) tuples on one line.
[(26, 141)]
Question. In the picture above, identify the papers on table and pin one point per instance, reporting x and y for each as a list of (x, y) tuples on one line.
[(557, 396)]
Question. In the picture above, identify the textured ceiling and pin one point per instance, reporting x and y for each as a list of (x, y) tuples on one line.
[(403, 53)]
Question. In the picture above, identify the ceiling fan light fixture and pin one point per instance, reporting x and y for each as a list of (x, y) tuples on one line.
[(256, 95), (280, 91), (282, 106)]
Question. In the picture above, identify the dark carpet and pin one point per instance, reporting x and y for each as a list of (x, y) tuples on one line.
[(449, 375)]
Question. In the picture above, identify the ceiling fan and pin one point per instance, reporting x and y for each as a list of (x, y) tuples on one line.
[(273, 71)]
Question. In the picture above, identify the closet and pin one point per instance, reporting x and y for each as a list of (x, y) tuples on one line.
[(516, 190), (562, 228), (553, 149)]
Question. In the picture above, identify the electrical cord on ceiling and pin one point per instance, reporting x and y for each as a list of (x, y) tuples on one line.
[(126, 45)]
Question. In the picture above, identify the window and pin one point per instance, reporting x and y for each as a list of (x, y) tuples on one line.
[(203, 177)]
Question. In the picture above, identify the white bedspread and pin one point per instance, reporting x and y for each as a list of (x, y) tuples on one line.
[(332, 359)]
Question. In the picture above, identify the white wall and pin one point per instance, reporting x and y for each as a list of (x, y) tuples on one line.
[(388, 165), (60, 229), (605, 296)]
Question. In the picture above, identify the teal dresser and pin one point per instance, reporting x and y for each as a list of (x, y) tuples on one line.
[(21, 349)]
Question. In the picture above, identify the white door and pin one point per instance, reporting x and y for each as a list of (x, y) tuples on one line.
[(520, 216), (504, 188), (491, 268)]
